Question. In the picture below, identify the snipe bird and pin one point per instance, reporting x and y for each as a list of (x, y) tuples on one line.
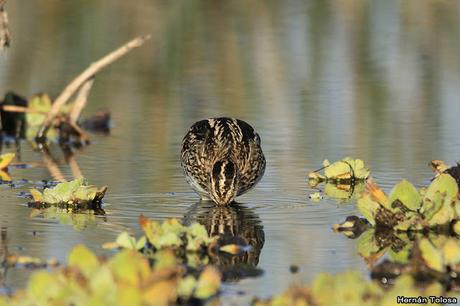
[(222, 158)]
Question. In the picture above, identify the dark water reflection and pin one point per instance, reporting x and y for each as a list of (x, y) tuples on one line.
[(319, 79), (233, 224)]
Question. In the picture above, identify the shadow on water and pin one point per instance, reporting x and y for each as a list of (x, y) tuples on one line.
[(233, 224)]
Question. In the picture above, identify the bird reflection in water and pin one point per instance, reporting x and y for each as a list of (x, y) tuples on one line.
[(233, 224)]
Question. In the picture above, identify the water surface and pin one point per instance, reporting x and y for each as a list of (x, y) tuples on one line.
[(317, 79)]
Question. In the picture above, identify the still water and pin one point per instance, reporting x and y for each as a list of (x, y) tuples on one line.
[(375, 80)]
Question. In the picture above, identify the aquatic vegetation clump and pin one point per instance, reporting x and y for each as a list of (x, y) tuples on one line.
[(417, 230), (127, 278), (39, 106), (345, 171), (406, 208), (350, 288), (344, 179), (74, 194), (5, 160), (170, 234), (432, 258), (192, 246)]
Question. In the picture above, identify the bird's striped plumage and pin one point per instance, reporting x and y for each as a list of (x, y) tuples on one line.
[(222, 158)]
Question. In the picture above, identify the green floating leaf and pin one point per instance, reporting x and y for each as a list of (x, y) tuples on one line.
[(401, 256), (342, 170), (445, 214), (125, 240), (368, 245), (208, 283), (432, 257), (186, 286), (368, 208), (344, 192), (6, 159), (432, 205), (73, 192), (171, 233), (406, 193), (444, 183), (81, 257), (451, 251), (457, 228)]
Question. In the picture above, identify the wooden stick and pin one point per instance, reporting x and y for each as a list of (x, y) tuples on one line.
[(81, 100), (20, 109), (5, 38), (84, 137), (73, 86)]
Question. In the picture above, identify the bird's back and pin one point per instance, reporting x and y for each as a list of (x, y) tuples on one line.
[(219, 139)]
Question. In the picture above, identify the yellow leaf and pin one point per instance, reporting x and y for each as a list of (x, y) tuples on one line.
[(161, 293), (377, 194), (35, 212), (81, 257), (36, 195), (6, 159), (4, 176), (432, 257), (208, 283)]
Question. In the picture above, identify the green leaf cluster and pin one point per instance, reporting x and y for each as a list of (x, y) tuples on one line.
[(127, 278), (347, 170), (432, 257), (39, 106), (74, 193), (343, 192), (349, 288), (172, 234), (406, 208)]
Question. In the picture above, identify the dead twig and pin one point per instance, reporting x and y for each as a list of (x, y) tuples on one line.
[(80, 102), (20, 109), (87, 74), (5, 38)]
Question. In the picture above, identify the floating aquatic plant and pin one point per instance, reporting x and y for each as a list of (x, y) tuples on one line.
[(74, 194), (344, 192), (127, 278), (39, 106), (192, 246), (440, 167), (345, 171), (407, 208), (5, 160), (350, 288), (344, 179)]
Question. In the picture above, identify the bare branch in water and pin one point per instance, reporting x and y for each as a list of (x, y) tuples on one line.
[(81, 101), (5, 38), (87, 74)]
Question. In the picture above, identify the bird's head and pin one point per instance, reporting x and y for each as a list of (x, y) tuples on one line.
[(224, 181)]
